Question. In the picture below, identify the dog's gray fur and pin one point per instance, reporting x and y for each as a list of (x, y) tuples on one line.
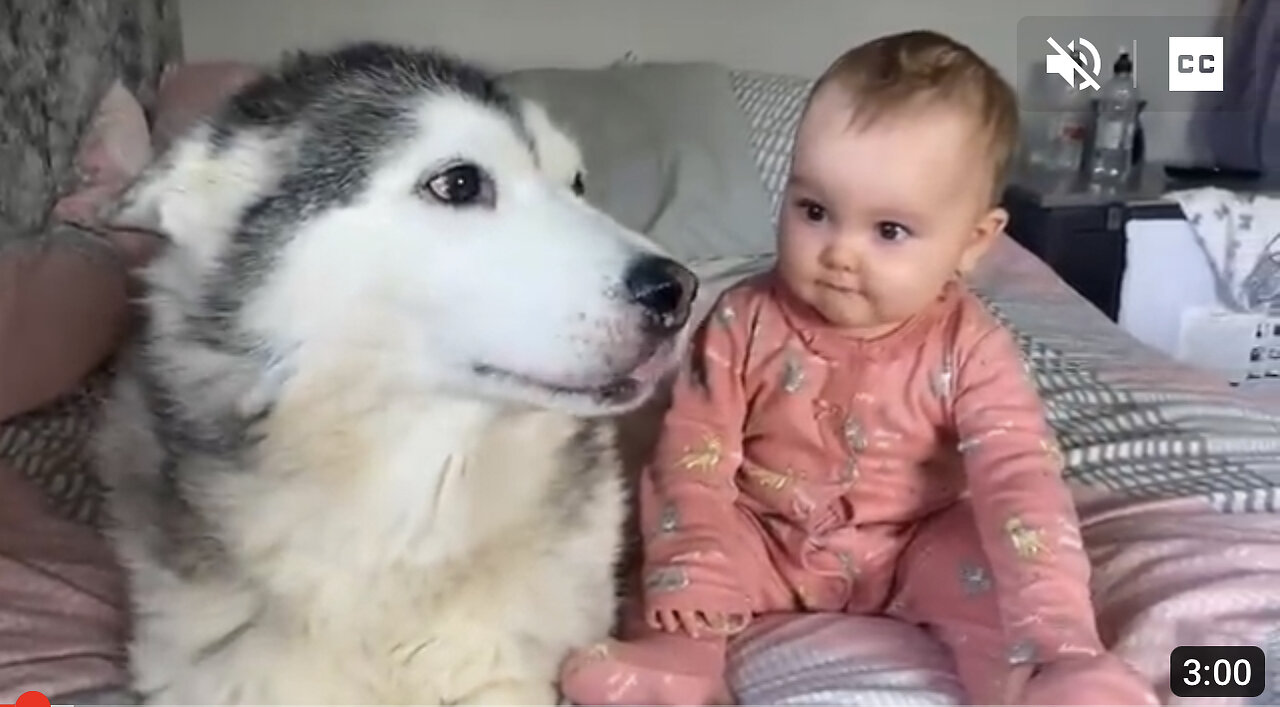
[(216, 414)]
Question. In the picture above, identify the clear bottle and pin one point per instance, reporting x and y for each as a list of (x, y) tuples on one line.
[(1117, 118), (1070, 132), (1065, 126)]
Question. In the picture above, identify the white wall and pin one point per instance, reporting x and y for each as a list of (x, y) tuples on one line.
[(792, 36)]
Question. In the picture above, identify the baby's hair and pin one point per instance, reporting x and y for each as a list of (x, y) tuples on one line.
[(908, 70)]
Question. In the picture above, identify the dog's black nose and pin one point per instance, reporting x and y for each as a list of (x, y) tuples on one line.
[(664, 288)]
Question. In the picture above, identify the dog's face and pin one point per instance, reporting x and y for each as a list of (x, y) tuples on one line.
[(407, 212)]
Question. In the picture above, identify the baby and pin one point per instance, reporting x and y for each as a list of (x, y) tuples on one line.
[(854, 432)]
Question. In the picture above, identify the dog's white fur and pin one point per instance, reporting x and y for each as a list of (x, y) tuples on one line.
[(397, 537)]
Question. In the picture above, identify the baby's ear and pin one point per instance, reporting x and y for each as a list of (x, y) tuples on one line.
[(989, 228)]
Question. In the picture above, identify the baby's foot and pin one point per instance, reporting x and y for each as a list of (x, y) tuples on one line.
[(1095, 680), (656, 670)]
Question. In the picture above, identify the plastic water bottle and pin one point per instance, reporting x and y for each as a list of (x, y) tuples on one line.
[(1070, 129), (1117, 118), (1064, 128)]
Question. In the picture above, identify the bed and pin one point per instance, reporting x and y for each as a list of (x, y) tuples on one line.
[(1177, 475)]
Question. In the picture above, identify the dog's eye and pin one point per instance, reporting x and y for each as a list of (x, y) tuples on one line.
[(579, 186), (461, 185)]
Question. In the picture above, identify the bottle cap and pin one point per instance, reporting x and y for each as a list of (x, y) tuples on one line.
[(1124, 64)]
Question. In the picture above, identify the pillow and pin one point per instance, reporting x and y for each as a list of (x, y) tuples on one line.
[(114, 149), (63, 311), (772, 104), (666, 149)]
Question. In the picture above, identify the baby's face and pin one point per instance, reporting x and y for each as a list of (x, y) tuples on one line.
[(876, 219)]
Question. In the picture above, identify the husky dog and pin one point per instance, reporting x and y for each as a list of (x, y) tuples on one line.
[(361, 452)]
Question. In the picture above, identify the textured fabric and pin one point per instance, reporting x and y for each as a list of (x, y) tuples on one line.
[(666, 151), (49, 447), (824, 659)]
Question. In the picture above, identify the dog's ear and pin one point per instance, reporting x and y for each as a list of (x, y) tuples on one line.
[(195, 194), (138, 208), (558, 153)]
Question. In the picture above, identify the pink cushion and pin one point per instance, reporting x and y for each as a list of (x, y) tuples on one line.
[(115, 148), (63, 311), (189, 92), (118, 144), (63, 613)]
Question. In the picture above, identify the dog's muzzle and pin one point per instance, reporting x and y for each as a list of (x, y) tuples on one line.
[(665, 289)]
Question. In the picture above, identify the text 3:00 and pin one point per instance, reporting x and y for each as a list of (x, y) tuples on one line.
[(1225, 672)]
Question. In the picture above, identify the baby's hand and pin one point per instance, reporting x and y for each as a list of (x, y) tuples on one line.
[(697, 623), (696, 592)]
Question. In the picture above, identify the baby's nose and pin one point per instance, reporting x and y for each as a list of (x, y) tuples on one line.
[(843, 253)]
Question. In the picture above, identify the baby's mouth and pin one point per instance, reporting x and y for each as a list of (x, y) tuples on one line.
[(842, 289)]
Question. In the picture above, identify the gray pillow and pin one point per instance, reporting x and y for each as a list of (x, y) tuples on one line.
[(667, 152)]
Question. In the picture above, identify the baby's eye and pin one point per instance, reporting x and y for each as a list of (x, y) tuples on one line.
[(813, 211), (891, 231)]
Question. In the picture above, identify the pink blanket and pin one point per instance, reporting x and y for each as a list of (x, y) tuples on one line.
[(62, 603), (1177, 572), (1167, 574)]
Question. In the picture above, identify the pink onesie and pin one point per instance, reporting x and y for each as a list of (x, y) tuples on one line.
[(912, 474)]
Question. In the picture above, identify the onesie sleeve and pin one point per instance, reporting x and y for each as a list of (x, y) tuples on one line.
[(689, 489), (1026, 517)]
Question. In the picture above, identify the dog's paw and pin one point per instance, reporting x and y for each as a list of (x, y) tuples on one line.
[(511, 692)]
